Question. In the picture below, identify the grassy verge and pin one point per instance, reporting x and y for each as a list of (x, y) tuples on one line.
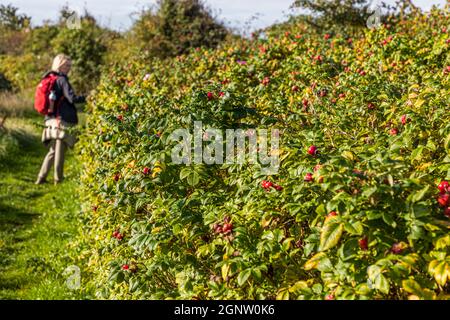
[(38, 224)]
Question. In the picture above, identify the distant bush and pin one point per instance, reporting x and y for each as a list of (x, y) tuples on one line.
[(173, 27), (24, 71), (5, 84), (347, 15), (86, 46)]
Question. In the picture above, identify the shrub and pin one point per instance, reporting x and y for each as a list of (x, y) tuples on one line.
[(175, 27), (366, 224), (5, 84), (87, 48)]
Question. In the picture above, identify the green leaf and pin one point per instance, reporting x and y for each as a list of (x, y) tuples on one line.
[(377, 279), (355, 228), (420, 194), (382, 284), (331, 233), (243, 276), (184, 173), (412, 286), (193, 179), (320, 210)]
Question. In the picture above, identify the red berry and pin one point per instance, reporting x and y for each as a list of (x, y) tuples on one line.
[(332, 214), (393, 132), (444, 200), (327, 36), (266, 184), (295, 88), (117, 177), (119, 236), (371, 106), (120, 117), (146, 171), (312, 150), (278, 188), (227, 228), (329, 297), (404, 119), (115, 234), (218, 229), (362, 73), (363, 243), (396, 248), (342, 95), (125, 267), (443, 187), (447, 212), (210, 95), (308, 177), (266, 81), (305, 103), (221, 94)]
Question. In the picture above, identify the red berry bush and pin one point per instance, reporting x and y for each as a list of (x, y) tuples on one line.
[(358, 210)]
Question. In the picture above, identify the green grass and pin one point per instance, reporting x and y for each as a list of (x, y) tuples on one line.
[(38, 224)]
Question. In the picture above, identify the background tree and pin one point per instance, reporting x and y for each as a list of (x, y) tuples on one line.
[(10, 19), (173, 27), (86, 45), (347, 15)]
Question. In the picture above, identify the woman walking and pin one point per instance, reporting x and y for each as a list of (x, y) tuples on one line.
[(62, 115)]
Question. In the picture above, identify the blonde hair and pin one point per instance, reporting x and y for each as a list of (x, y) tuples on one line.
[(59, 61)]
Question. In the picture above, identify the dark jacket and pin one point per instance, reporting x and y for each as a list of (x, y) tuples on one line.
[(66, 99)]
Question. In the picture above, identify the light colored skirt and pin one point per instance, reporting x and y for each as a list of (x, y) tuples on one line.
[(56, 130)]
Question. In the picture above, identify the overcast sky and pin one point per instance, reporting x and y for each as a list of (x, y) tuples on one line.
[(116, 13)]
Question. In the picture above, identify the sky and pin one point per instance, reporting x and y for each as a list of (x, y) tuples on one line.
[(117, 14)]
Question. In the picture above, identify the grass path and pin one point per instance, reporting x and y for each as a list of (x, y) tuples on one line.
[(37, 223)]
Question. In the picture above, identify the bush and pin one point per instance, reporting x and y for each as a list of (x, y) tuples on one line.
[(87, 47), (175, 27), (348, 15), (5, 84), (357, 220)]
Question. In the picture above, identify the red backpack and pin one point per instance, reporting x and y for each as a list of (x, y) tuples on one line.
[(41, 97)]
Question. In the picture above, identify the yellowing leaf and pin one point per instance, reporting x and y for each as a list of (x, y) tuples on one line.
[(440, 270), (314, 261), (331, 233), (225, 269), (283, 295)]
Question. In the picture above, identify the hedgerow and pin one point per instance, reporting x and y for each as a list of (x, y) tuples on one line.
[(354, 211)]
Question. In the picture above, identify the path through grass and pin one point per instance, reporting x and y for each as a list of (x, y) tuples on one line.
[(37, 223)]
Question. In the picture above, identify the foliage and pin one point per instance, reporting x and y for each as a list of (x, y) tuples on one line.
[(365, 224), (10, 19), (5, 84), (87, 47), (347, 15), (176, 26)]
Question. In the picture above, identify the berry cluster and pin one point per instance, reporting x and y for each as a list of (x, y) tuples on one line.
[(266, 185), (444, 197)]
